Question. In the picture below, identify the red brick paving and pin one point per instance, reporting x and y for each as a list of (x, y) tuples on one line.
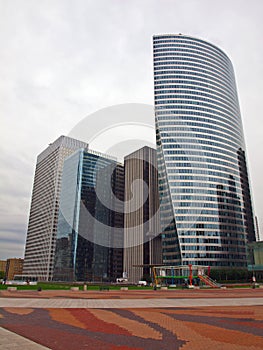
[(233, 328), (216, 328)]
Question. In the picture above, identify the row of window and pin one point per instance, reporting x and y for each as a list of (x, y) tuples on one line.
[(235, 213), (192, 219), (197, 51), (199, 57), (201, 144), (231, 192), (193, 132), (195, 95), (214, 61), (178, 58), (214, 256), (230, 227), (172, 137), (168, 64), (189, 75), (187, 109), (179, 198), (196, 127), (224, 173), (198, 151), (215, 159), (201, 164), (185, 121), (195, 100), (185, 73), (192, 169), (199, 190), (226, 237), (197, 138), (186, 102), (197, 48), (169, 139), (177, 55), (215, 262), (202, 211), (194, 87), (192, 204), (185, 204), (188, 65), (194, 83), (214, 248), (206, 184), (192, 43), (217, 240), (220, 207)]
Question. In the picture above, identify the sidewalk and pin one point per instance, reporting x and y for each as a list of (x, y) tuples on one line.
[(12, 341), (125, 303)]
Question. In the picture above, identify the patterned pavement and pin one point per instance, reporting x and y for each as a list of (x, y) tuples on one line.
[(186, 328)]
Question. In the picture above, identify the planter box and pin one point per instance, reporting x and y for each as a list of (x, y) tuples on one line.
[(11, 289), (75, 289)]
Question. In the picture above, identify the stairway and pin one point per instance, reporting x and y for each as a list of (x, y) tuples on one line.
[(208, 281)]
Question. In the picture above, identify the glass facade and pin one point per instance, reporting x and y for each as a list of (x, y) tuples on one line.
[(206, 211), (90, 222)]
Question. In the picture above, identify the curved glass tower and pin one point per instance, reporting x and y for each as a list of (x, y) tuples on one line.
[(206, 211)]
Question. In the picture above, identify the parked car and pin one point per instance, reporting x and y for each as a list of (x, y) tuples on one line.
[(142, 283)]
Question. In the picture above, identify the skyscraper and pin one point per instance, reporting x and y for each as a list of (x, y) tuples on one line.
[(90, 224), (42, 226), (205, 203), (142, 241)]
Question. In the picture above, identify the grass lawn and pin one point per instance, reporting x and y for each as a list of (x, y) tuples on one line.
[(64, 286), (96, 287)]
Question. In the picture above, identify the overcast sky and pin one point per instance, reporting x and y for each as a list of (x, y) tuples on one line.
[(62, 60)]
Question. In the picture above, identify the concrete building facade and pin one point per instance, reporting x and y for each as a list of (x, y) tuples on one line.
[(142, 241), (14, 266), (42, 226)]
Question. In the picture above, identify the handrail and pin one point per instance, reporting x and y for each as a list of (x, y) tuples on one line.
[(209, 281)]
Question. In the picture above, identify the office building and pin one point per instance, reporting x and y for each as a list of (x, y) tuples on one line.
[(90, 225), (14, 266), (142, 241), (206, 210), (3, 267), (42, 226)]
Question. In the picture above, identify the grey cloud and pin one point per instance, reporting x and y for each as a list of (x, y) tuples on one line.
[(62, 60)]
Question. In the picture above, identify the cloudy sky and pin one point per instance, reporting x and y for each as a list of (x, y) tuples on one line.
[(62, 60)]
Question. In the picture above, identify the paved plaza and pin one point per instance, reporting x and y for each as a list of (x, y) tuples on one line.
[(190, 319)]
